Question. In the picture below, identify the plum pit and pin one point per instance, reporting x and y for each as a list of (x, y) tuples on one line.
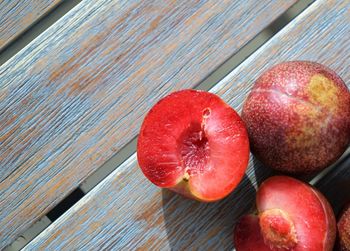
[(278, 229)]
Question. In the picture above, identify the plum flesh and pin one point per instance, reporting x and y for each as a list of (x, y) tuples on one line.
[(195, 144)]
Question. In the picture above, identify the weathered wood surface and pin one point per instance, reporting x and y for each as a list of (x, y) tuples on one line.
[(125, 211), (77, 94), (16, 16)]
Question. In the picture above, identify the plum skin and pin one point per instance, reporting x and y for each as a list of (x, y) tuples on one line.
[(291, 216), (298, 117), (344, 229)]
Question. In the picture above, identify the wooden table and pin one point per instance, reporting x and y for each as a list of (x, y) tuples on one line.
[(73, 99)]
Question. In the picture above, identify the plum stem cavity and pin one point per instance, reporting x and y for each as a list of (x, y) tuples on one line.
[(194, 150), (206, 113)]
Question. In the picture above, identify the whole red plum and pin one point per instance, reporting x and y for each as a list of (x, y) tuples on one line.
[(298, 117)]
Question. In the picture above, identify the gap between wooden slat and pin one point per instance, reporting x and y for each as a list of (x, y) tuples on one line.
[(36, 29), (130, 148)]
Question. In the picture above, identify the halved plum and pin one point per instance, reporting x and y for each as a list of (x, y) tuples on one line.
[(195, 144), (291, 216)]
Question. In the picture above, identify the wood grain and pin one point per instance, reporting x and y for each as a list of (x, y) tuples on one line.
[(126, 212), (77, 94), (16, 16)]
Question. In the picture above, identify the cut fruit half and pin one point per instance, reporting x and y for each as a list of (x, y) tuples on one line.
[(192, 142), (291, 216)]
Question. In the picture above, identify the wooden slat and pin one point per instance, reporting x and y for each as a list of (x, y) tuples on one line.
[(125, 211), (18, 15), (77, 94)]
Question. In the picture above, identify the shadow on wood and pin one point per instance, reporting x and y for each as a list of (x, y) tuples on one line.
[(261, 172), (336, 185), (191, 224)]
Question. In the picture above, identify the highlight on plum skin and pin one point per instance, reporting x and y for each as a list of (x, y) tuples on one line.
[(344, 229), (298, 117), (195, 144), (291, 215)]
